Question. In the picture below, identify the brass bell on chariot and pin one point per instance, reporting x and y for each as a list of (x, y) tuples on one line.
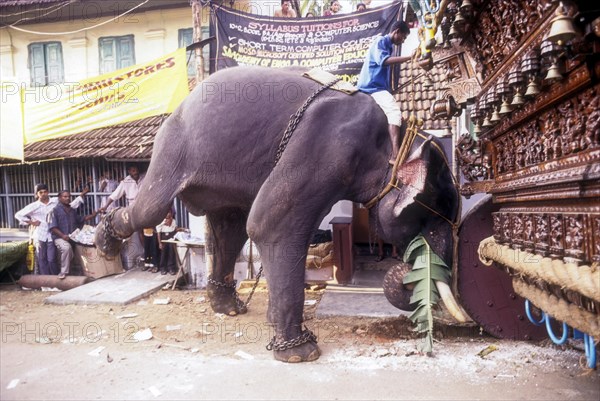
[(553, 73), (495, 117), (532, 89), (518, 100), (506, 107), (561, 30)]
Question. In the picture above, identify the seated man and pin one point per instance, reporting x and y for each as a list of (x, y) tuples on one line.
[(374, 78), (63, 221)]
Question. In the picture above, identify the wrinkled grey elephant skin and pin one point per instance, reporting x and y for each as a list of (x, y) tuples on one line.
[(216, 153)]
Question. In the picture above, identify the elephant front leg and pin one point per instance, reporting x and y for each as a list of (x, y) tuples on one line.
[(226, 238), (285, 267)]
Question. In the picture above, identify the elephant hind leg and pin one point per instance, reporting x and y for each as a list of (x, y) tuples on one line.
[(226, 238)]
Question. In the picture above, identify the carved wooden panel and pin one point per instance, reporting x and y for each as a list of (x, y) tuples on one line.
[(501, 26), (570, 128), (557, 232)]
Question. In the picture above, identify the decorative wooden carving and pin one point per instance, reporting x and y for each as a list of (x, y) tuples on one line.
[(571, 128), (475, 164), (551, 231), (501, 26)]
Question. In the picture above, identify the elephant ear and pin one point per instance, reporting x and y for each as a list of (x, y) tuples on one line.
[(412, 177)]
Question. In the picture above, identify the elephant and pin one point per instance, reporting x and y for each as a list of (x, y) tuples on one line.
[(218, 151)]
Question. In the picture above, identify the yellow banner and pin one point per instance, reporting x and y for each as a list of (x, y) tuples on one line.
[(11, 122), (128, 94)]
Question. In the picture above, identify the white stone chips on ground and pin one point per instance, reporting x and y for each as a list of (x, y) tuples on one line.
[(509, 361)]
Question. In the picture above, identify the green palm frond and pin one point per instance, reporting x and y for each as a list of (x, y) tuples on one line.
[(427, 268)]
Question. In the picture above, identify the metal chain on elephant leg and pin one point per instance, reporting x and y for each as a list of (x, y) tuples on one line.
[(109, 231), (305, 337), (242, 306), (297, 116)]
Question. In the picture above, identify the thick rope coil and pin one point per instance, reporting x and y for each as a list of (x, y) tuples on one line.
[(583, 279), (560, 309)]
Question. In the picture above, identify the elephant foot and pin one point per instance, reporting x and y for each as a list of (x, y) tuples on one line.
[(306, 352), (224, 298), (303, 348)]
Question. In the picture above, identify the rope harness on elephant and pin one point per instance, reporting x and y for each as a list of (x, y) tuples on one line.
[(297, 116)]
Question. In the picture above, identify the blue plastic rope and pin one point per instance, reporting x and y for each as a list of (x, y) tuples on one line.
[(565, 334), (590, 350), (530, 316)]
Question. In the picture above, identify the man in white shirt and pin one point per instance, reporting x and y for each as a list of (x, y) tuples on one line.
[(129, 187), (35, 215)]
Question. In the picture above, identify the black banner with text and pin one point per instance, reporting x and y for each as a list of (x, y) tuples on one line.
[(334, 44)]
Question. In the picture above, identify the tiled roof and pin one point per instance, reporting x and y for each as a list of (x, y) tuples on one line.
[(413, 89), (127, 141)]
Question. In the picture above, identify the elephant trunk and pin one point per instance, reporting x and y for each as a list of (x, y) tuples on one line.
[(450, 302)]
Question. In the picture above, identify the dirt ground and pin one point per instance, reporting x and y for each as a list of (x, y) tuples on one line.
[(99, 352)]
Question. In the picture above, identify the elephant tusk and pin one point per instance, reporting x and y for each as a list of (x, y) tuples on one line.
[(450, 302)]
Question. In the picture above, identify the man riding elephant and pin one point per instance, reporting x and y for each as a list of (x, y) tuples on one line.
[(374, 78)]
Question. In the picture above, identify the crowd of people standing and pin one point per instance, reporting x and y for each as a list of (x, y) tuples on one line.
[(51, 221)]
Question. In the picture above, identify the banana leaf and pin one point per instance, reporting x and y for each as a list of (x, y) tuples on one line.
[(427, 268)]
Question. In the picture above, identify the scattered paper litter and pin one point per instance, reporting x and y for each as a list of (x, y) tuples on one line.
[(127, 315), (244, 355), (310, 302), (238, 334), (155, 392), (143, 335), (194, 350), (13, 383), (97, 351), (221, 316), (162, 301), (201, 299), (173, 327)]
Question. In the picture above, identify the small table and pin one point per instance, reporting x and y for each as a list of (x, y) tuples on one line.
[(182, 262)]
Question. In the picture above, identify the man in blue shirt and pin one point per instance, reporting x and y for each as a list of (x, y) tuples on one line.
[(374, 78), (65, 220)]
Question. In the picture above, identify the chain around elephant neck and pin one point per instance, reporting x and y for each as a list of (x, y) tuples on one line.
[(297, 116)]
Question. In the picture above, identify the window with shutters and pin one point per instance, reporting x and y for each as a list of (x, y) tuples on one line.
[(186, 37), (116, 52), (46, 63)]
